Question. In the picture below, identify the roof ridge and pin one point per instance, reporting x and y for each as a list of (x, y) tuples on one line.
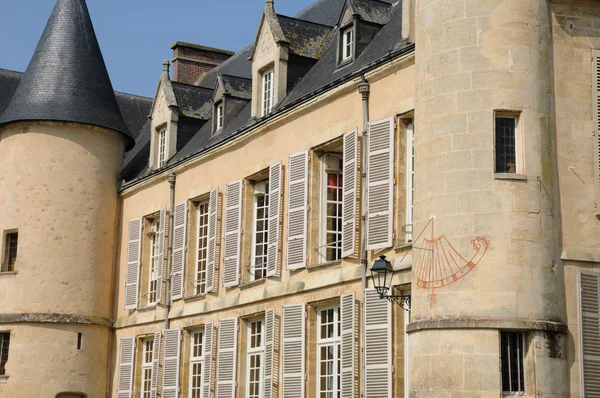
[(304, 20), (383, 2), (190, 85), (14, 72), (134, 95)]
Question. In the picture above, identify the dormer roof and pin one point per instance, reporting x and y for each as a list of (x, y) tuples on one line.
[(237, 87), (269, 19), (373, 11), (193, 101), (305, 38), (67, 79)]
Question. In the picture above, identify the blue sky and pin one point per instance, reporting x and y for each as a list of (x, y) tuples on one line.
[(135, 35)]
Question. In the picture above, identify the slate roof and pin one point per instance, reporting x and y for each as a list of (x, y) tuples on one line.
[(373, 11), (238, 87), (306, 38), (9, 80), (67, 79), (193, 101)]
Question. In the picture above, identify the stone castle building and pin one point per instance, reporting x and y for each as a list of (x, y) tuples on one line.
[(216, 240)]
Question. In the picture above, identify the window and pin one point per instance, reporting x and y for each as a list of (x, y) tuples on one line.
[(256, 348), (332, 205), (4, 343), (219, 116), (196, 364), (162, 147), (347, 44), (512, 358), (10, 252), (507, 141), (202, 248), (328, 353), (260, 239), (155, 262), (410, 180), (268, 92), (147, 347)]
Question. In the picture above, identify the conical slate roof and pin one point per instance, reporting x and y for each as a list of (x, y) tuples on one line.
[(67, 79)]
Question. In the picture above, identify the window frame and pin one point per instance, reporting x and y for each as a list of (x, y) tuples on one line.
[(161, 151), (521, 363), (323, 184), (145, 366), (197, 280), (153, 264), (270, 99), (410, 180), (257, 194), (336, 342), (519, 141), (196, 360), (4, 351), (219, 116), (6, 266), (256, 351), (348, 44)]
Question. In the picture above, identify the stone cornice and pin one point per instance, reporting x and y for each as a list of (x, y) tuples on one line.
[(483, 323), (55, 318)]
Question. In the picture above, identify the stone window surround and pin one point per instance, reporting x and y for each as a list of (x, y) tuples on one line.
[(519, 173), (341, 61), (4, 259)]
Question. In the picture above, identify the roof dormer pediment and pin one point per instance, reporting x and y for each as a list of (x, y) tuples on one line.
[(372, 11), (270, 33)]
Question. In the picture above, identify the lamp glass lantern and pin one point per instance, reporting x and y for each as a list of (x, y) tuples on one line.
[(382, 274)]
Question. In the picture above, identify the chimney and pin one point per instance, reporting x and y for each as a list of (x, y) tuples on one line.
[(192, 61)]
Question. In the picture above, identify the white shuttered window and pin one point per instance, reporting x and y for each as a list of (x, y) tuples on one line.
[(297, 210), (196, 368), (380, 181), (378, 346), (294, 336), (328, 352), (270, 373), (275, 181), (233, 232), (147, 379), (348, 326), (179, 243), (209, 338), (170, 387), (589, 302), (134, 247), (226, 358), (596, 107), (126, 363), (213, 212), (162, 219), (155, 363), (349, 193)]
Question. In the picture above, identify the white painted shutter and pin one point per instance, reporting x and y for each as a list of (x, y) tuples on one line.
[(596, 106), (348, 323), (293, 350), (209, 338), (380, 184), (269, 353), (134, 251), (161, 252), (126, 363), (213, 213), (170, 387), (226, 354), (349, 193), (589, 299), (297, 210), (179, 242), (155, 363), (378, 346), (233, 232), (275, 181)]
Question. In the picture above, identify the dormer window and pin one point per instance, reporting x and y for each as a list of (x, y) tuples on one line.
[(268, 91), (219, 112), (347, 44), (162, 147)]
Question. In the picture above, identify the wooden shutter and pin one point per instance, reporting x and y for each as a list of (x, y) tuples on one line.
[(380, 181), (170, 387), (293, 350), (297, 210), (233, 232), (589, 301), (155, 363), (378, 346), (226, 354), (211, 264), (134, 251), (161, 252), (348, 357), (275, 181), (269, 352), (209, 338), (179, 242), (126, 363), (596, 109), (349, 196)]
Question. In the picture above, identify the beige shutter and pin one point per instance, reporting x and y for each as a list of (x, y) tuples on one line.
[(179, 242), (348, 357), (378, 346), (269, 352), (213, 213), (134, 251), (226, 358), (126, 363), (380, 184), (170, 387), (209, 338), (275, 181), (161, 252), (349, 193), (233, 232), (596, 106), (297, 210), (589, 299), (155, 363), (293, 350)]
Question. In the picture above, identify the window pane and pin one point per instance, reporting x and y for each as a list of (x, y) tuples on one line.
[(512, 362), (506, 159)]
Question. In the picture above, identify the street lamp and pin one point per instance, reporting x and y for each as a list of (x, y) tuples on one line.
[(382, 274)]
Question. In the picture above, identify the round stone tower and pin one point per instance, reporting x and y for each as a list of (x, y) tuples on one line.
[(494, 264), (62, 140)]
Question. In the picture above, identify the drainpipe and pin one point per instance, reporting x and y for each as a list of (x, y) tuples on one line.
[(171, 178), (364, 90)]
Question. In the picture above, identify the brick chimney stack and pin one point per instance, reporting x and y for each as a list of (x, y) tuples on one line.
[(192, 61)]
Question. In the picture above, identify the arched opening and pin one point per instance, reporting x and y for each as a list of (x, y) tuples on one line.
[(71, 395)]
